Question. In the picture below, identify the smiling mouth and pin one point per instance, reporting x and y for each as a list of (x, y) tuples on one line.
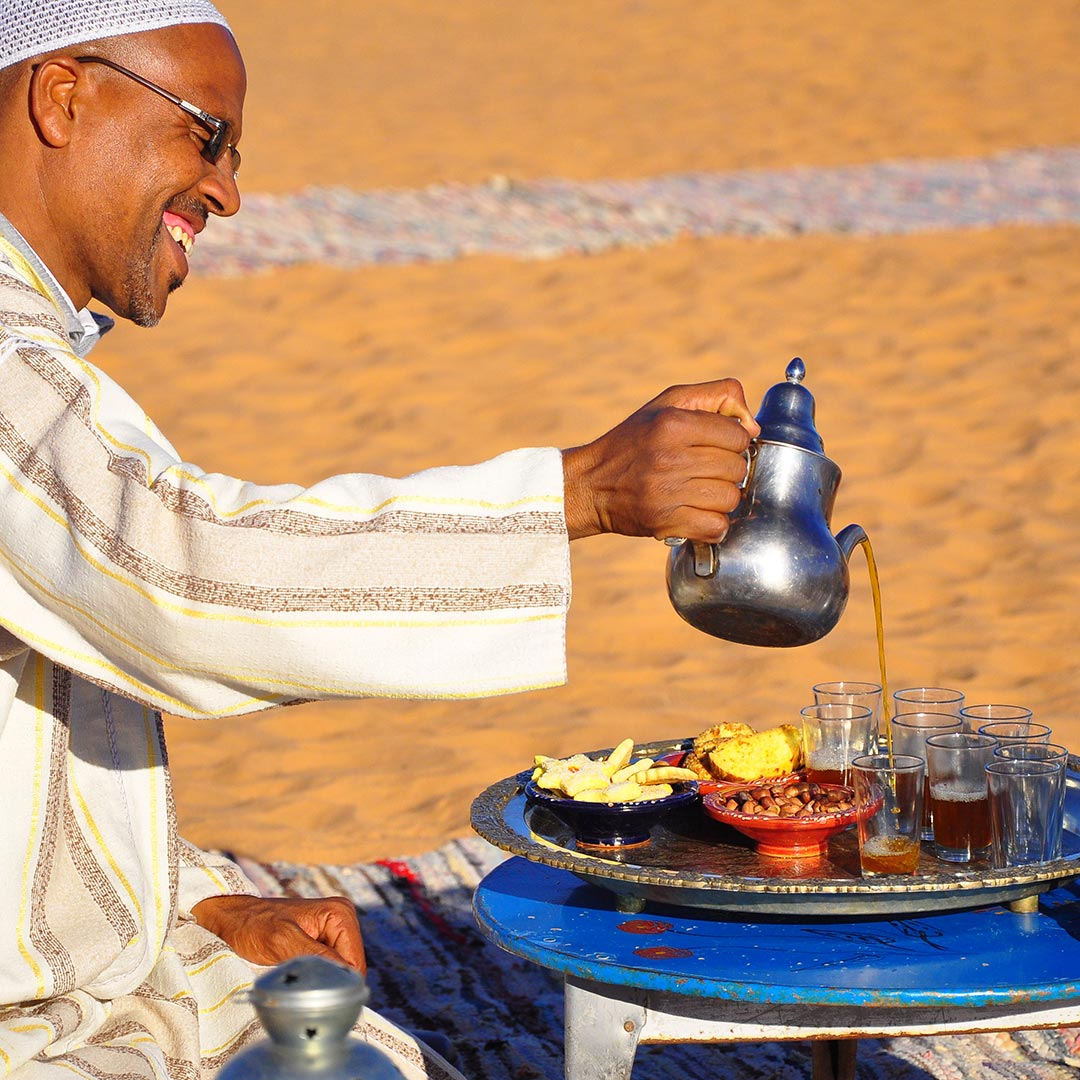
[(180, 230)]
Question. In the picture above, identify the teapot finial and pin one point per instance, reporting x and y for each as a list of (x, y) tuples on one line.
[(787, 412)]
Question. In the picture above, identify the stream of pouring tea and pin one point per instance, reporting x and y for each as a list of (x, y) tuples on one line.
[(875, 591)]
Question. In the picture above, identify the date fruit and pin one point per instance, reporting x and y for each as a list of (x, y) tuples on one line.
[(796, 799)]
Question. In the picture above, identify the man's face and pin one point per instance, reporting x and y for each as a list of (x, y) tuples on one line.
[(148, 188)]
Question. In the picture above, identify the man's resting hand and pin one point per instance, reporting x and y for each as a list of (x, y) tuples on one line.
[(673, 468), (270, 931)]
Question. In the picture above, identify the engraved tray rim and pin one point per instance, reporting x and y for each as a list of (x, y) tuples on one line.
[(635, 884)]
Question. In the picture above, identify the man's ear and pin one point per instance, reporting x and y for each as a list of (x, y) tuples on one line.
[(54, 87)]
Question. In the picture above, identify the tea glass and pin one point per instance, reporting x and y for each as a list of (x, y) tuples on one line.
[(958, 794), (847, 692), (1025, 812), (1056, 754), (975, 716), (889, 795), (927, 699), (1008, 731), (833, 735), (909, 735)]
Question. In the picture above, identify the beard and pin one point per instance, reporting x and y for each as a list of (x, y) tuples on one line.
[(139, 290), (138, 280)]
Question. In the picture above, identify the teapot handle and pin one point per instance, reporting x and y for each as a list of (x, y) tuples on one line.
[(704, 559), (749, 453)]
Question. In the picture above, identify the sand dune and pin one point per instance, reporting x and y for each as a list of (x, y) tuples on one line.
[(944, 364)]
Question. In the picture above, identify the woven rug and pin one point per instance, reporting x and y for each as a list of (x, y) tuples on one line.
[(542, 219), (430, 969)]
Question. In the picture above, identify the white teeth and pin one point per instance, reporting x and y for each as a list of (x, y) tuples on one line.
[(181, 238)]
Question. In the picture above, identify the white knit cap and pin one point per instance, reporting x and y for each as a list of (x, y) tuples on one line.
[(33, 27)]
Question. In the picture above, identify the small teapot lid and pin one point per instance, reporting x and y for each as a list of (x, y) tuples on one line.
[(787, 412), (309, 999)]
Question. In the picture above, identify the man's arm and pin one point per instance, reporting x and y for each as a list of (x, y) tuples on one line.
[(672, 468), (206, 595)]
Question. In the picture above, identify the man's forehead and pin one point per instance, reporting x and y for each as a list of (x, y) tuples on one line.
[(197, 60), (31, 28)]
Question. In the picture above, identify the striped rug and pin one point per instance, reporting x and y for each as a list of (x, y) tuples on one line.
[(543, 219), (430, 970)]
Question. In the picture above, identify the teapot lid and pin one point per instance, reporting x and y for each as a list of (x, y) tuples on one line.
[(308, 997), (787, 412)]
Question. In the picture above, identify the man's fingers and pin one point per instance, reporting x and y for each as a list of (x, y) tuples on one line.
[(695, 464), (709, 495), (698, 428), (722, 396), (290, 940), (346, 941), (333, 922), (705, 526)]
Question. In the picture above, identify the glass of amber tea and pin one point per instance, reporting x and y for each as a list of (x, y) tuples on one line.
[(834, 734), (909, 735), (889, 796), (958, 794)]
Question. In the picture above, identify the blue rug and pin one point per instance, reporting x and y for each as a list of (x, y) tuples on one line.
[(430, 969)]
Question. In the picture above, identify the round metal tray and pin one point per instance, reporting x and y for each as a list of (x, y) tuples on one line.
[(693, 861)]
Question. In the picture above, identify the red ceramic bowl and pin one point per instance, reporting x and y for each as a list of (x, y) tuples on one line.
[(777, 837)]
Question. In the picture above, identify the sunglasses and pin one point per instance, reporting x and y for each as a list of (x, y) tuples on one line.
[(214, 148)]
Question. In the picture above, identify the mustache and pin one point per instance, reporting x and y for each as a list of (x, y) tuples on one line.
[(188, 207)]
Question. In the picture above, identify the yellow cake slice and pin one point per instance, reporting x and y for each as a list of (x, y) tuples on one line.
[(760, 755)]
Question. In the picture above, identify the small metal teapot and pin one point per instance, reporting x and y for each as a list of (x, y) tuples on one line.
[(308, 1006), (779, 577)]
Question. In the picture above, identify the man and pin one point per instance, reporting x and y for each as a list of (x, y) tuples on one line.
[(133, 582)]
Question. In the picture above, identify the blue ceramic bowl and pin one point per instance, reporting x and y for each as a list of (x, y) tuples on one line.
[(612, 824)]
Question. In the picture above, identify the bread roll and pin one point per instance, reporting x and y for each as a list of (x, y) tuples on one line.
[(759, 755)]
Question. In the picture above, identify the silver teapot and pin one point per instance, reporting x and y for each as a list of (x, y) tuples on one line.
[(308, 1006), (779, 577)]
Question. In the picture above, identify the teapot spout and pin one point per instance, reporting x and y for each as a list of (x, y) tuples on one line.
[(849, 539)]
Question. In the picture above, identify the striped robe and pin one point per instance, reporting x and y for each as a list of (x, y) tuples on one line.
[(131, 583)]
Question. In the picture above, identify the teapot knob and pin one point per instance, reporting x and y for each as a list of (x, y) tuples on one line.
[(787, 412)]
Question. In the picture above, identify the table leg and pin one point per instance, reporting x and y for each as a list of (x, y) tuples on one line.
[(834, 1059), (603, 1025)]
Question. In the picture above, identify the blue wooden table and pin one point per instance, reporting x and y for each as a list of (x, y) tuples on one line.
[(677, 974)]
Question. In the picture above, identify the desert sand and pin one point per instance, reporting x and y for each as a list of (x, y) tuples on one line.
[(944, 364)]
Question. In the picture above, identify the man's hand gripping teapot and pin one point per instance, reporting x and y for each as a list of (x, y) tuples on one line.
[(779, 577)]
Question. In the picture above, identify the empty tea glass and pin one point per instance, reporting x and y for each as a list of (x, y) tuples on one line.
[(975, 716), (927, 699), (1008, 731), (1025, 812), (847, 692), (1038, 751)]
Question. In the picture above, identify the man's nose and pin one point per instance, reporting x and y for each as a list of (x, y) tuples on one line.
[(219, 188)]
